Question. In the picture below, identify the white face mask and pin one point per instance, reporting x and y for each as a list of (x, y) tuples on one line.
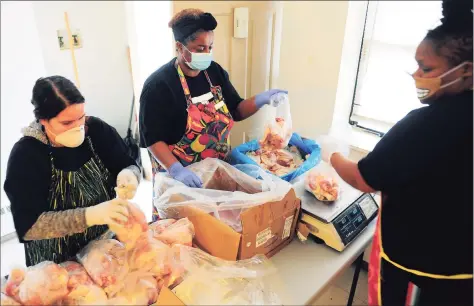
[(71, 138)]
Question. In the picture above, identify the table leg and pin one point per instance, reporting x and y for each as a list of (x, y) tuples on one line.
[(355, 279)]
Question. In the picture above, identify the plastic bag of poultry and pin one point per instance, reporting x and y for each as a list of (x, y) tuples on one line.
[(85, 295), (138, 289), (6, 300), (42, 284), (245, 282), (287, 164), (180, 232), (150, 256), (278, 129), (77, 274), (323, 183), (135, 226), (225, 194), (106, 263)]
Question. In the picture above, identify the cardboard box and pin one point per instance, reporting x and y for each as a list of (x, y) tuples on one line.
[(266, 229), (168, 298)]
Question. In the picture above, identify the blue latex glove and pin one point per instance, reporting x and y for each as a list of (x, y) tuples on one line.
[(187, 177), (264, 98), (299, 143)]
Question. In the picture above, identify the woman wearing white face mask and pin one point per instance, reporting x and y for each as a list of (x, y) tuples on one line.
[(423, 247), (188, 106), (61, 175)]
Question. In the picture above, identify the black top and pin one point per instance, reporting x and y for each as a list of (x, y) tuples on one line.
[(163, 104), (29, 171), (424, 168)]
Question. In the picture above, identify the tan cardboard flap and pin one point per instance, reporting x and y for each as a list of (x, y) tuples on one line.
[(167, 298)]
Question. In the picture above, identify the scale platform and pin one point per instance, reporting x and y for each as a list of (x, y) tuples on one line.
[(340, 222)]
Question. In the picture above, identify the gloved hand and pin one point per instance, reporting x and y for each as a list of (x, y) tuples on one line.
[(186, 176), (299, 143), (113, 212), (127, 184), (330, 145), (264, 98)]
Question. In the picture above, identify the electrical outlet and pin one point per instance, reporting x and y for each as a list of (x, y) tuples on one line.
[(63, 39)]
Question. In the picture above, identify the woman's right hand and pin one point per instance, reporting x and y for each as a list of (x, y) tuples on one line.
[(185, 176), (113, 212)]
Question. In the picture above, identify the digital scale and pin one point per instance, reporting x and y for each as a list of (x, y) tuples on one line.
[(336, 223)]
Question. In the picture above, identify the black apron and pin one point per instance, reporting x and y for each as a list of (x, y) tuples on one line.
[(88, 186)]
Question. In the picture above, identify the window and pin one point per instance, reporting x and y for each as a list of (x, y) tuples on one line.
[(384, 92)]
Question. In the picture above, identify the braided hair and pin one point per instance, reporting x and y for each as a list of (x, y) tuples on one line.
[(453, 38)]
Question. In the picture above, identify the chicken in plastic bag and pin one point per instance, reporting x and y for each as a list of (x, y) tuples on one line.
[(6, 300), (85, 295), (106, 263), (180, 232), (278, 130), (42, 284), (245, 282), (232, 192), (160, 225), (323, 182), (138, 289), (77, 274), (135, 226), (150, 256)]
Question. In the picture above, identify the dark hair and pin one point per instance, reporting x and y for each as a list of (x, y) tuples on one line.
[(189, 23), (51, 95), (453, 38)]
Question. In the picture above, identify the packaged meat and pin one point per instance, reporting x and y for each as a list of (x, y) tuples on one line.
[(180, 232), (43, 284), (77, 274), (279, 162), (106, 263), (160, 225), (137, 290), (278, 130), (6, 300), (323, 183), (245, 282), (15, 278), (135, 226), (85, 295), (150, 256), (233, 191)]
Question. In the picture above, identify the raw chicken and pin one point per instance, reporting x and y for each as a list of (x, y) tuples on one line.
[(324, 188), (150, 256), (278, 162), (44, 284), (276, 135), (160, 225), (14, 280), (85, 295), (7, 301), (180, 232), (77, 274), (135, 226), (137, 290), (106, 263)]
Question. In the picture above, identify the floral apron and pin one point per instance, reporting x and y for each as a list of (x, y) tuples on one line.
[(87, 186), (391, 283), (207, 130)]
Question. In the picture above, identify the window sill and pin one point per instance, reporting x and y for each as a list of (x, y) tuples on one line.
[(362, 141)]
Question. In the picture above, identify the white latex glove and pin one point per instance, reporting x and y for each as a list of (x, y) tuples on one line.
[(330, 145), (113, 212), (127, 184)]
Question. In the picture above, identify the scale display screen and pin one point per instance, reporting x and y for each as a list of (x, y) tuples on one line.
[(354, 219)]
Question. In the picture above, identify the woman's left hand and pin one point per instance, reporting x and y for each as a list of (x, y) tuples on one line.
[(127, 184), (264, 98)]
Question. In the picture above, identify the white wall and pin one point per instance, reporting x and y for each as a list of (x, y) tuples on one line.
[(102, 61), (21, 65), (311, 46)]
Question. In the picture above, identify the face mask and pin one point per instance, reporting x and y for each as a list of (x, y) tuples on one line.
[(199, 61), (427, 87), (71, 138)]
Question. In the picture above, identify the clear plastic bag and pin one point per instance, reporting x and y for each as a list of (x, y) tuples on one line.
[(226, 192), (278, 129), (7, 301), (77, 274), (135, 226), (208, 280), (180, 232), (85, 295), (43, 284), (10, 287), (323, 182), (138, 289), (150, 256), (106, 263)]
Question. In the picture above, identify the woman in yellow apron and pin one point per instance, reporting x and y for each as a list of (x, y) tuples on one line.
[(423, 247), (188, 106)]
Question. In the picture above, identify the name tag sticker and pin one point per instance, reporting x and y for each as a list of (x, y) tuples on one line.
[(219, 105), (204, 99)]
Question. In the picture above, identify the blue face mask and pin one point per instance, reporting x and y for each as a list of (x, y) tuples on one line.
[(199, 61)]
